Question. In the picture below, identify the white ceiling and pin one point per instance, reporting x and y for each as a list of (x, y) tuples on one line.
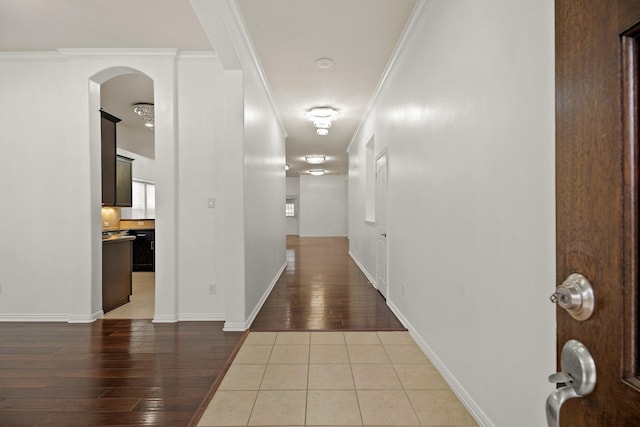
[(41, 25), (117, 97), (288, 35)]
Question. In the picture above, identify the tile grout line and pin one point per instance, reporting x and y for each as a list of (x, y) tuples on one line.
[(261, 380), (413, 408), (353, 378), (306, 395)]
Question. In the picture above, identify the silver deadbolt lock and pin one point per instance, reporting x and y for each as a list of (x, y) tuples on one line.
[(578, 376), (576, 296)]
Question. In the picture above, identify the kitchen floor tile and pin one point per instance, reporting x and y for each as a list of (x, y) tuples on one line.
[(439, 407), (367, 354), (420, 377), (327, 338), (293, 338), (243, 377), (279, 408), (386, 408), (331, 376), (142, 303), (229, 408), (373, 376), (285, 377), (289, 354), (332, 407), (328, 354)]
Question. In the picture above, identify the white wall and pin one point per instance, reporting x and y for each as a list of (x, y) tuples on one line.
[(264, 194), (254, 191), (50, 259), (293, 192), (467, 117), (39, 254), (200, 124), (323, 205)]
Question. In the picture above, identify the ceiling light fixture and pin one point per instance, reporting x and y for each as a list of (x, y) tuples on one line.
[(324, 63), (146, 111), (316, 172), (315, 159), (322, 124), (322, 132), (322, 118)]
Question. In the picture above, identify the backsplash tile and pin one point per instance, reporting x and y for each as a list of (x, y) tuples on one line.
[(110, 218)]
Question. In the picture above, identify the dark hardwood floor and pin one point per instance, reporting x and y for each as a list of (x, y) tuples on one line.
[(134, 372), (322, 288), (110, 372)]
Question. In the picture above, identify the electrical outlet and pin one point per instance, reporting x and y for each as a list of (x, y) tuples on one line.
[(106, 223), (212, 288)]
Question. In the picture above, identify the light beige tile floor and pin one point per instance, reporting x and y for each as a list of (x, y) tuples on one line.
[(142, 304), (333, 379)]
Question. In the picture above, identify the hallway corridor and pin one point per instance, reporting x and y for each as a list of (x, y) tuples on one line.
[(326, 350), (323, 289)]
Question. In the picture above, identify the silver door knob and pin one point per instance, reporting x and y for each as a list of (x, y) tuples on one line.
[(576, 296), (578, 376)]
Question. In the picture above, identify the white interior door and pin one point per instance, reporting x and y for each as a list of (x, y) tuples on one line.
[(381, 222)]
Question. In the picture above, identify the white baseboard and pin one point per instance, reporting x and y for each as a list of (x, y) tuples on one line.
[(234, 327), (37, 318), (364, 270), (165, 318), (476, 412), (201, 317)]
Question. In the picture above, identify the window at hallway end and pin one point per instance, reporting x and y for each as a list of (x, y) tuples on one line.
[(290, 208)]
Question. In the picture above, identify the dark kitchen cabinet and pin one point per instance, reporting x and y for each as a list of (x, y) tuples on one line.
[(123, 181), (116, 170), (144, 250), (116, 273)]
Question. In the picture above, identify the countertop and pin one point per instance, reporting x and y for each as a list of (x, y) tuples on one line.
[(113, 239), (113, 236)]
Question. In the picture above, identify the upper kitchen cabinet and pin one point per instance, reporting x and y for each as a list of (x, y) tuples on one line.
[(116, 170), (123, 181)]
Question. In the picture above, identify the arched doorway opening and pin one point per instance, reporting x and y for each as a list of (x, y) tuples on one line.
[(129, 97)]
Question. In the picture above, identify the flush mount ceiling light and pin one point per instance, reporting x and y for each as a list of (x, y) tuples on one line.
[(322, 118), (316, 172), (315, 159), (324, 63), (322, 124), (146, 111), (322, 132)]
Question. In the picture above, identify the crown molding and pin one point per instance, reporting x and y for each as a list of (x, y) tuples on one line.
[(198, 54), (408, 28), (88, 52), (234, 15), (30, 55)]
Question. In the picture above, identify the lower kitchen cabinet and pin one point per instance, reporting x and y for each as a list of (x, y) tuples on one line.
[(116, 273)]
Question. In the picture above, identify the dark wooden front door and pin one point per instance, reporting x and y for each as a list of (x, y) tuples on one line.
[(597, 84)]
